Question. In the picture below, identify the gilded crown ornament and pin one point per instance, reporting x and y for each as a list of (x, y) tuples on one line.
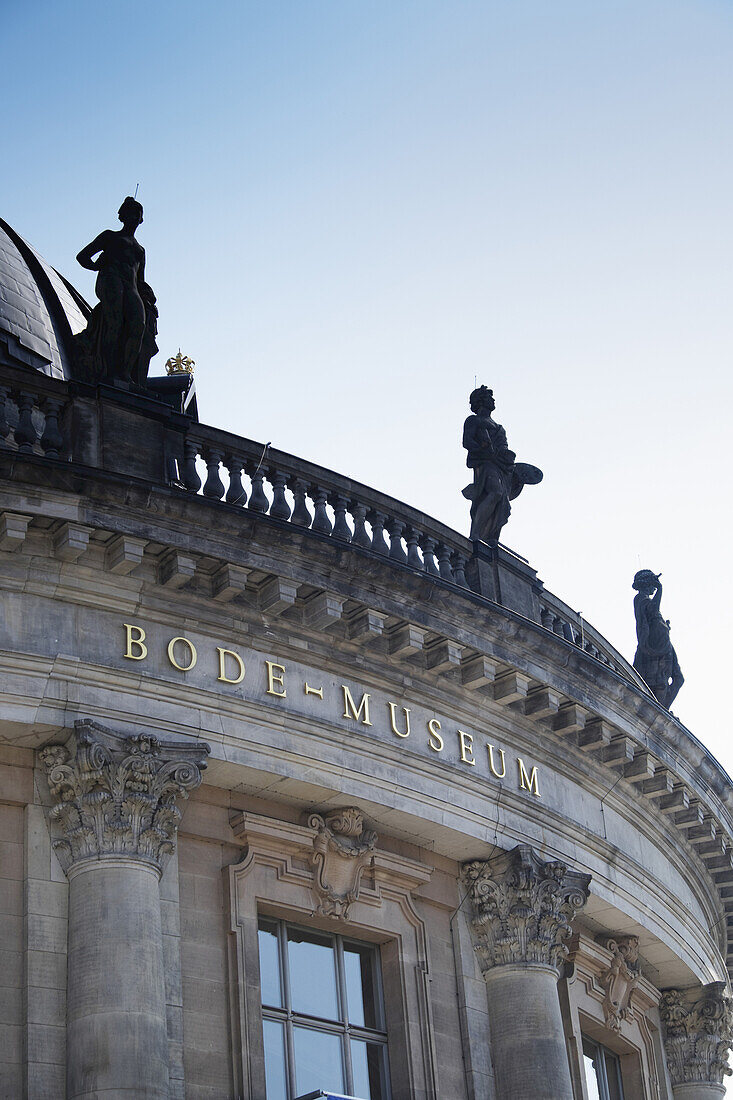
[(180, 364)]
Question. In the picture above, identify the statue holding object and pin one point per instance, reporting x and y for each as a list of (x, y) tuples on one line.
[(497, 478), (119, 340), (655, 659)]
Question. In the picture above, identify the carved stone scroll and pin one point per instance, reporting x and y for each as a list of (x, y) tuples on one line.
[(523, 908), (342, 848), (699, 1033), (116, 796), (620, 979)]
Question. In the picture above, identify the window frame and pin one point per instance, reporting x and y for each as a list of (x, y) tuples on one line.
[(290, 1019)]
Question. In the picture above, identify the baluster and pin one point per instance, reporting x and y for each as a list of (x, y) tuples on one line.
[(236, 493), (258, 499), (428, 549), (459, 569), (4, 426), (191, 479), (301, 512), (280, 508), (321, 522), (396, 552), (546, 618), (444, 565), (25, 430), (52, 440), (341, 529), (557, 625), (361, 535), (379, 541), (214, 486), (413, 554)]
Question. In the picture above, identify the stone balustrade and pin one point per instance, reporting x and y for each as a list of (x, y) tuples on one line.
[(304, 495), (31, 409)]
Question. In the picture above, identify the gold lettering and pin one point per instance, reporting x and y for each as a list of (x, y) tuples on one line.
[(139, 642), (528, 782), (466, 742), (313, 691), (275, 678), (223, 654), (352, 711), (502, 773), (392, 709), (172, 655), (435, 740)]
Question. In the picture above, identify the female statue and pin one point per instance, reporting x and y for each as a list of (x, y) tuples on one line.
[(119, 340), (655, 659), (497, 478)]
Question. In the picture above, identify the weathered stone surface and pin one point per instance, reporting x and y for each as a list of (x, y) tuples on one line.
[(523, 907), (698, 1028), (116, 796)]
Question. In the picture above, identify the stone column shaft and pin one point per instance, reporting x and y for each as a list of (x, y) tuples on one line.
[(115, 816), (522, 913), (116, 1016)]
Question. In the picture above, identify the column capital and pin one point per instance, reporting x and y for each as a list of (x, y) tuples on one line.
[(523, 907), (115, 796), (698, 1027)]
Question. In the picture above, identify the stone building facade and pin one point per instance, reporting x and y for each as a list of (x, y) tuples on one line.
[(300, 790)]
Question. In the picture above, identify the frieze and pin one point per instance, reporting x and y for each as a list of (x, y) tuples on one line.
[(278, 683)]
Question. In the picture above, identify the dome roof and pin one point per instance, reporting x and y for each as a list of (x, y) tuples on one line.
[(39, 309)]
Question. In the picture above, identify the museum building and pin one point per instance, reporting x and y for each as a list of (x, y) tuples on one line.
[(304, 793)]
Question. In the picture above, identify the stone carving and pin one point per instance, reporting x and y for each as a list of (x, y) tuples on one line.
[(119, 340), (523, 908), (699, 1033), (497, 478), (116, 796), (341, 850), (655, 657), (620, 979)]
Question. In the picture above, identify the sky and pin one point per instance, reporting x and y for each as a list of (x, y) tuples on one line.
[(355, 210)]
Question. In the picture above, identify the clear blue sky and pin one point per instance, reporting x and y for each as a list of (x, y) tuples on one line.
[(351, 209)]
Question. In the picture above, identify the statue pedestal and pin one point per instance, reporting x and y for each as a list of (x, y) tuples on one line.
[(504, 577), (125, 431)]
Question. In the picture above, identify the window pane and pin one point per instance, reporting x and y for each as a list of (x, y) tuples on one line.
[(269, 965), (360, 993), (367, 1063), (613, 1075), (275, 1075), (318, 1061), (593, 1071), (312, 963)]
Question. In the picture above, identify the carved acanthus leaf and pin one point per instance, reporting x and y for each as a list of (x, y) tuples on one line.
[(341, 849), (116, 796), (523, 908), (698, 1033), (620, 979)]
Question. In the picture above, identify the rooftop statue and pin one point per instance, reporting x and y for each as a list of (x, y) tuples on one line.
[(119, 340), (655, 657), (497, 478)]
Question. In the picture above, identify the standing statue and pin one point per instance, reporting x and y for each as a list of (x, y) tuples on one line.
[(655, 659), (119, 340), (497, 478)]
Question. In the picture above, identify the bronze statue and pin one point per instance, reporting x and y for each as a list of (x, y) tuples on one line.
[(655, 659), (119, 340), (497, 478)]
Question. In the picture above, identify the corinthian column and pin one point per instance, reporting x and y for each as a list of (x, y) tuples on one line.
[(698, 1028), (115, 818), (522, 913)]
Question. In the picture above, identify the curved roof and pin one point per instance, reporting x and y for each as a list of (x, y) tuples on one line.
[(39, 309)]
